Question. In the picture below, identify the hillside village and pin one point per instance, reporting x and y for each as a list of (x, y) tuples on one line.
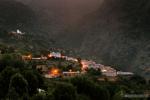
[(107, 71), (55, 67)]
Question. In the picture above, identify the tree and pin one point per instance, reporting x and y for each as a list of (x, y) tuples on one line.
[(19, 84), (100, 93), (64, 91), (6, 60), (11, 60), (113, 89), (39, 96), (87, 87), (94, 72), (83, 85), (82, 97), (5, 77), (118, 96), (12, 94), (138, 79), (18, 64), (32, 80), (39, 78)]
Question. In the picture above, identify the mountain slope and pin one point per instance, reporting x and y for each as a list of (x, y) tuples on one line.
[(15, 15), (112, 32), (117, 34)]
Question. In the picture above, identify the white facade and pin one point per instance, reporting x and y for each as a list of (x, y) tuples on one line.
[(55, 54), (124, 73), (88, 64), (19, 32), (108, 71), (110, 74), (71, 59)]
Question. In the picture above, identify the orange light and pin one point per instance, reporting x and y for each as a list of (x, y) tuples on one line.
[(29, 56), (49, 55), (54, 71)]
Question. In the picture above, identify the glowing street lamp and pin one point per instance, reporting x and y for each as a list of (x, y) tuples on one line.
[(54, 71)]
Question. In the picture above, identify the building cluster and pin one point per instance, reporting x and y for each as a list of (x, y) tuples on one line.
[(70, 58), (124, 73), (55, 72), (86, 64), (55, 55), (27, 57), (105, 70), (59, 55), (17, 34), (108, 71)]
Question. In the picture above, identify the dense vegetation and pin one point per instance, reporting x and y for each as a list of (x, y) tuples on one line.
[(20, 80)]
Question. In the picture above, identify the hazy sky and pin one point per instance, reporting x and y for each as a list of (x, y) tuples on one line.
[(72, 5), (69, 10)]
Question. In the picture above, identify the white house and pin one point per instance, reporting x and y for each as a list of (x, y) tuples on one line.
[(19, 32), (125, 73), (108, 71), (71, 59), (55, 55)]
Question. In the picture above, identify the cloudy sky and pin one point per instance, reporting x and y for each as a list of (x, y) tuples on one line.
[(74, 7)]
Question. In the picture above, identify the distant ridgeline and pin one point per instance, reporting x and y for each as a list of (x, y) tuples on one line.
[(14, 15)]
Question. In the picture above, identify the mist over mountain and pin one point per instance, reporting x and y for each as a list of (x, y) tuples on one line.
[(113, 32), (55, 15), (117, 34)]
